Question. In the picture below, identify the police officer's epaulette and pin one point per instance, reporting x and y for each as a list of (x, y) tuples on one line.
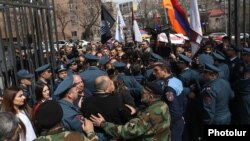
[(208, 88)]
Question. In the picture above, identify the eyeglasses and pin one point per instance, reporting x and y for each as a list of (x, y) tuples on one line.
[(73, 64)]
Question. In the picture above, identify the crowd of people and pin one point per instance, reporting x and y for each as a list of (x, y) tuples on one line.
[(143, 92)]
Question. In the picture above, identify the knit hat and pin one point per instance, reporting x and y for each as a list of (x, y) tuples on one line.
[(154, 87), (48, 114)]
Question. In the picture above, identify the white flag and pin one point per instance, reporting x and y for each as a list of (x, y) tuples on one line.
[(120, 24), (137, 32), (195, 25), (195, 22)]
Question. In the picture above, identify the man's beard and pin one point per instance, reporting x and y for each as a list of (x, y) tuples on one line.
[(145, 101)]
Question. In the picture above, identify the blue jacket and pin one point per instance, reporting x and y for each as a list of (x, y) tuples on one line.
[(216, 95), (71, 116), (89, 76)]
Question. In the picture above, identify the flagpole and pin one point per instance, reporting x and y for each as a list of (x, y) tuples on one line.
[(132, 30), (167, 30)]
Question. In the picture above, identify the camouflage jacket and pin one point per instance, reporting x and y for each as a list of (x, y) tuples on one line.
[(151, 124), (63, 135)]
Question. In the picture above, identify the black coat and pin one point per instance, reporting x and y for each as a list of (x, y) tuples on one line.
[(109, 106)]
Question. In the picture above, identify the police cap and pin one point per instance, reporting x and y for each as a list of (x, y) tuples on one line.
[(60, 68), (65, 85), (217, 56), (184, 58), (211, 68), (43, 68), (24, 74), (155, 57), (103, 60), (70, 62), (118, 64), (246, 51), (91, 57), (205, 59)]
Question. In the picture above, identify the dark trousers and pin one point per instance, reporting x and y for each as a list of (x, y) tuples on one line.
[(177, 127)]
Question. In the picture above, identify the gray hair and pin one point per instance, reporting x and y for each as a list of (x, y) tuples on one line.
[(9, 123)]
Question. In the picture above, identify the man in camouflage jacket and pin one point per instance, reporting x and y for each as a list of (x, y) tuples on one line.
[(151, 124), (48, 118)]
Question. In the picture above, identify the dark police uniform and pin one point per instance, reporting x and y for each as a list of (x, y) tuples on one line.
[(234, 65), (224, 73), (91, 73), (59, 69), (71, 114), (40, 70), (216, 96), (192, 115), (133, 86), (69, 63), (148, 74), (242, 100), (241, 68), (24, 74)]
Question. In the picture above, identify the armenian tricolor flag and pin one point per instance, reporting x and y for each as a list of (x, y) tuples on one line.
[(177, 16)]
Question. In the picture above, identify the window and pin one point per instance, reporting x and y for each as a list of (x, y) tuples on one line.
[(73, 20), (74, 33)]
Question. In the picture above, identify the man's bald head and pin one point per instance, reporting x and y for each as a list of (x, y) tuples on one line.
[(101, 83)]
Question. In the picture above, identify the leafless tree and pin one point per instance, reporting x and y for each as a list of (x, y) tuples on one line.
[(147, 9), (62, 15), (88, 14)]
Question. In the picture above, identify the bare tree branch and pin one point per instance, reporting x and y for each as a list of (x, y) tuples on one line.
[(62, 16)]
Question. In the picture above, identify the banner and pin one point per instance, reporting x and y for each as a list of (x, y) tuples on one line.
[(175, 38), (107, 21), (120, 24)]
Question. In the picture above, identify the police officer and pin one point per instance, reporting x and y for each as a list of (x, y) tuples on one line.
[(151, 123), (205, 56), (44, 74), (219, 62), (92, 72), (25, 80), (68, 93), (245, 57), (242, 98), (233, 63), (72, 66), (133, 86), (216, 94), (173, 96), (61, 72), (48, 117), (102, 62), (191, 83), (153, 57)]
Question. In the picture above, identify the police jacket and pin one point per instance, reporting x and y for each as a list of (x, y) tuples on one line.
[(216, 96)]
